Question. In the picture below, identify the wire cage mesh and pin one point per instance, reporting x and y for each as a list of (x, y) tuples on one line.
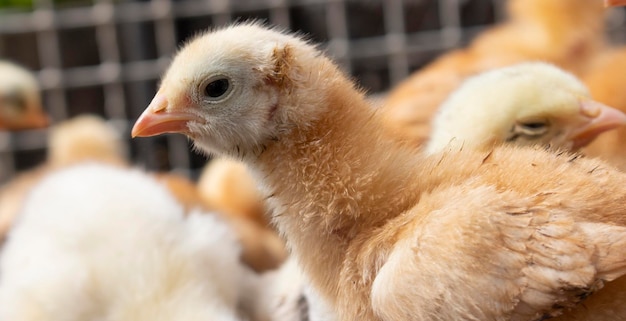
[(105, 57)]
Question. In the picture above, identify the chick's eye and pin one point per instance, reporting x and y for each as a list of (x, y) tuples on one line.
[(534, 125), (15, 100), (531, 128), (217, 88)]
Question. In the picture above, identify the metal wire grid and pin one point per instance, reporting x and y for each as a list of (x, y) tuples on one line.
[(135, 40)]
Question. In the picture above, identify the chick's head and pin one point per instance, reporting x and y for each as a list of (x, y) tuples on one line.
[(20, 99), (526, 104), (228, 90)]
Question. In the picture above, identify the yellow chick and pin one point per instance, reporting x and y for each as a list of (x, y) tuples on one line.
[(568, 33), (525, 104), (20, 99), (382, 232)]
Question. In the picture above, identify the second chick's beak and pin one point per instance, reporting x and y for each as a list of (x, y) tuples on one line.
[(597, 118), (159, 119), (614, 3), (38, 120)]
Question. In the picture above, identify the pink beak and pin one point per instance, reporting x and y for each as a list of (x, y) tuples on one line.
[(599, 118), (157, 119), (614, 3)]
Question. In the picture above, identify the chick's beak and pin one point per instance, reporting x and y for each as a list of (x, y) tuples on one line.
[(39, 120), (598, 118), (614, 3), (158, 119)]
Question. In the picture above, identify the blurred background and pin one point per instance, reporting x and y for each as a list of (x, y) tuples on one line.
[(105, 57)]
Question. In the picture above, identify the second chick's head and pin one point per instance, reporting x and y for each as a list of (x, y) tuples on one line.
[(230, 90), (20, 99), (526, 104)]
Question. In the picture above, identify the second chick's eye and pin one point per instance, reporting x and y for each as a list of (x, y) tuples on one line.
[(534, 125), (217, 88), (531, 128), (15, 100)]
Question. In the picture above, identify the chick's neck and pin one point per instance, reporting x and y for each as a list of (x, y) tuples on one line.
[(333, 182)]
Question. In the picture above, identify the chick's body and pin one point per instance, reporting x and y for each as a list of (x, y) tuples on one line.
[(372, 223), (228, 187), (101, 243)]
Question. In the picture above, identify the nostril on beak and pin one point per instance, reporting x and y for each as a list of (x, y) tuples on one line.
[(158, 104), (590, 108)]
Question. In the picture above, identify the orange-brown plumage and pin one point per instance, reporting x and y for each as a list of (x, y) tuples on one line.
[(228, 187)]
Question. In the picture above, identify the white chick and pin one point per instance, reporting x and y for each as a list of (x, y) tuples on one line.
[(82, 138), (104, 243), (20, 99), (526, 104)]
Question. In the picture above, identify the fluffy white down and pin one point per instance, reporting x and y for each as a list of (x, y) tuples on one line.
[(103, 243)]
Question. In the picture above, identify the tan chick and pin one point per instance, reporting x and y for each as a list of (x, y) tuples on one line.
[(97, 242), (227, 187), (381, 232), (263, 249), (230, 189), (567, 33), (531, 103), (20, 99)]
